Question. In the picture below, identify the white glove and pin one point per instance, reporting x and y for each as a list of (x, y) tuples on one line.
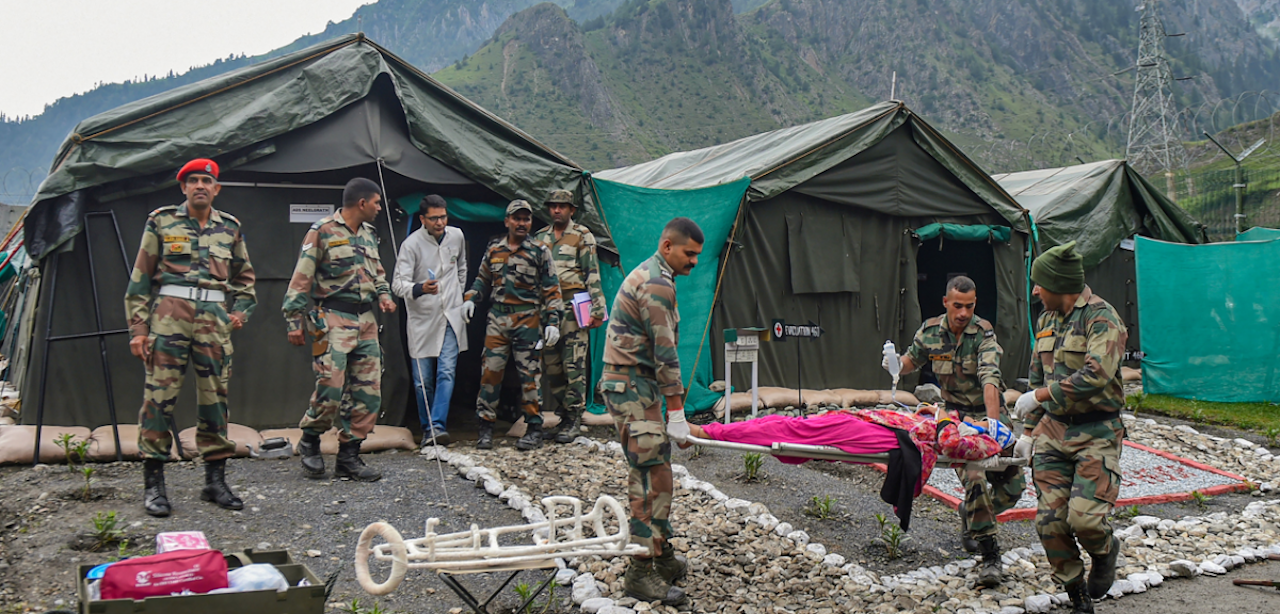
[(1027, 402), (992, 463), (550, 335), (884, 363), (468, 310), (677, 428), (1024, 448)]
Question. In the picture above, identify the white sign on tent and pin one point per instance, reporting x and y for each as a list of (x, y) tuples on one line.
[(308, 214)]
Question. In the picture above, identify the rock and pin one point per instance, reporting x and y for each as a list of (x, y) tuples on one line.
[(1011, 610), (582, 591), (613, 609), (1165, 525), (833, 560), (783, 528), (1209, 568), (1126, 587), (1038, 604), (493, 487), (1117, 590), (262, 546), (799, 537), (817, 550), (737, 504), (1183, 568), (565, 577), (1154, 578), (1244, 443), (928, 393), (314, 553), (596, 604), (1146, 522)]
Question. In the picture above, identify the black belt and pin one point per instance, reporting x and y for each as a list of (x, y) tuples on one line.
[(630, 370), (346, 306), (1086, 418)]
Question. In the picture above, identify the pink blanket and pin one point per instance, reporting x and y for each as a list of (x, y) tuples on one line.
[(852, 436)]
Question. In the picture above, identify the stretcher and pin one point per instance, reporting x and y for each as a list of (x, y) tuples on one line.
[(831, 453)]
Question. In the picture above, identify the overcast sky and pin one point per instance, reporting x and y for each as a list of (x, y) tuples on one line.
[(55, 48)]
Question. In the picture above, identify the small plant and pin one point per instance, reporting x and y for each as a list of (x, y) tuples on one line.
[(87, 470), (822, 508), (355, 608), (883, 520), (1201, 500), (1134, 401), (751, 464), (893, 537), (122, 550), (72, 449), (1198, 414), (1250, 486), (106, 529), (697, 451), (1127, 512), (1273, 435)]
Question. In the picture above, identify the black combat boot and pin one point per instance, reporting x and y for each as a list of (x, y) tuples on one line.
[(215, 486), (532, 439), (642, 582), (991, 571), (1103, 573), (486, 436), (569, 429), (154, 499), (312, 462), (669, 565), (967, 541), (349, 464), (1080, 601), (553, 432)]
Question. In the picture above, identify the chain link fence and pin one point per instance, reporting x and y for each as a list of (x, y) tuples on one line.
[(1210, 197)]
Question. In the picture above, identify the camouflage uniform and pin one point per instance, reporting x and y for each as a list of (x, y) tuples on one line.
[(343, 272), (964, 367), (641, 368), (1076, 467), (526, 297), (574, 255), (176, 251)]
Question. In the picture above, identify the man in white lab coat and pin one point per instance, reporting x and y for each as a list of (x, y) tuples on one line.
[(430, 274)]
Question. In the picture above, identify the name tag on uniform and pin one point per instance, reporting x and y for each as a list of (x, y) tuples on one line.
[(337, 242), (1044, 333), (940, 357), (177, 239)]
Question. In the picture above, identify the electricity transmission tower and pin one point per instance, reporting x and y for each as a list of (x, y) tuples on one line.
[(1154, 144)]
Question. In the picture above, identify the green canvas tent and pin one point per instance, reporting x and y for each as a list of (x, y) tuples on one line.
[(854, 223), (1102, 206), (288, 131)]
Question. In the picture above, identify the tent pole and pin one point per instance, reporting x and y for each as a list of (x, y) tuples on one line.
[(44, 369), (97, 315), (391, 228)]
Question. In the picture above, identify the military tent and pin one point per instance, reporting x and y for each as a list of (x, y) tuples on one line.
[(854, 223), (288, 133), (1102, 206)]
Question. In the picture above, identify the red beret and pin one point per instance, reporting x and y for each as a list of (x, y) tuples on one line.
[(203, 166)]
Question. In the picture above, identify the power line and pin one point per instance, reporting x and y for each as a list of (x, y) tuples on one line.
[(1153, 143)]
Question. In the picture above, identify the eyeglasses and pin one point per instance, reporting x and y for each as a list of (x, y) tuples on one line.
[(437, 218)]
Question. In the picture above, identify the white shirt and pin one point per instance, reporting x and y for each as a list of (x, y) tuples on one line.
[(430, 313)]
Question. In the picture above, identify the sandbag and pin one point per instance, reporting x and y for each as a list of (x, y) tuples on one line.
[(243, 436), (591, 419), (904, 397), (1130, 375), (819, 398), (382, 438), (850, 397), (548, 421), (738, 403), (1011, 396), (103, 449), (17, 443), (777, 398)]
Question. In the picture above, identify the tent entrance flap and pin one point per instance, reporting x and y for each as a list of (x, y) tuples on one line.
[(938, 260)]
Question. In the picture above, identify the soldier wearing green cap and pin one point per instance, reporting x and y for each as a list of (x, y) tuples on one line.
[(573, 250), (1072, 422)]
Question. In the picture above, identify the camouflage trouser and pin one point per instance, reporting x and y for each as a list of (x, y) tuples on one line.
[(566, 365), (988, 494), (508, 333), (347, 361), (185, 331), (1076, 470), (633, 400)]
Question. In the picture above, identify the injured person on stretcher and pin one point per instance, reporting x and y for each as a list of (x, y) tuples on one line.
[(910, 442)]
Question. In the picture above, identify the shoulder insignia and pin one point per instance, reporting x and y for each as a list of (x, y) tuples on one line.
[(306, 247), (164, 209), (988, 330), (934, 321)]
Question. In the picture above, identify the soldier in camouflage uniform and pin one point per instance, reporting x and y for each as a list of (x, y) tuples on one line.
[(641, 368), (191, 260), (340, 268), (573, 249), (1072, 422), (517, 274), (965, 356)]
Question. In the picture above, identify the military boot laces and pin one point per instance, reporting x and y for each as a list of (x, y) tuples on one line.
[(312, 462), (215, 486), (990, 573), (671, 567), (1081, 603), (532, 439), (154, 499), (486, 436), (570, 431), (643, 583), (1103, 573), (349, 464), (967, 541)]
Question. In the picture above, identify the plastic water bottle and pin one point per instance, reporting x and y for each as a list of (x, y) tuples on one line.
[(895, 366)]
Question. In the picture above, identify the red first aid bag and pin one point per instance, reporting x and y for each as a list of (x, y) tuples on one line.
[(198, 571)]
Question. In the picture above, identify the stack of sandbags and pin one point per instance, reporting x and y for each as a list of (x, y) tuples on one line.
[(1131, 376), (18, 443), (382, 438)]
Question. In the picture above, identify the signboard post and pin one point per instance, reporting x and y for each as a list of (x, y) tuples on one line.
[(741, 345), (781, 331)]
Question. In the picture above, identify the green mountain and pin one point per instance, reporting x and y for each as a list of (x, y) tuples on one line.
[(1017, 83)]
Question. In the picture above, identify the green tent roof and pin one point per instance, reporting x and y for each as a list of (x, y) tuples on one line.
[(226, 117), (783, 159), (1098, 205)]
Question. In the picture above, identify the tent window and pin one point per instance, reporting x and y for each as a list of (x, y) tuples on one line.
[(824, 247)]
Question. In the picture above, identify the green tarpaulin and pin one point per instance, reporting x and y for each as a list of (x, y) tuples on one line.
[(1210, 315), (1259, 234), (959, 232), (459, 209)]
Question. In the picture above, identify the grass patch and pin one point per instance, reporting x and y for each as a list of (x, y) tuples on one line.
[(1259, 417)]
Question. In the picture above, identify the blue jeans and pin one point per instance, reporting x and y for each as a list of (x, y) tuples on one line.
[(438, 374)]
